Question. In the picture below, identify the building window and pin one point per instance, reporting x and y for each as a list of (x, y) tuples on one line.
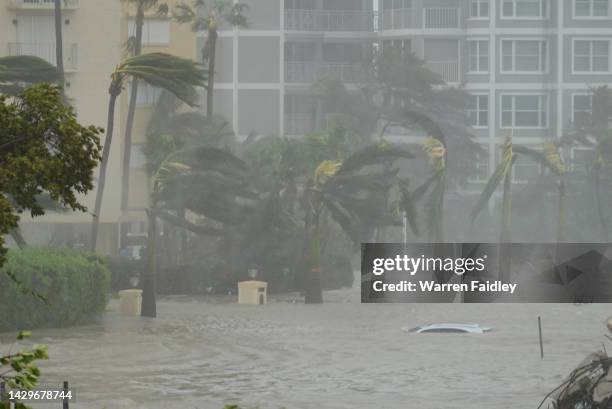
[(479, 9), (591, 56), (154, 31), (524, 56), (479, 56), (581, 109), (591, 9), (478, 111), (147, 95), (524, 111), (527, 9), (397, 4)]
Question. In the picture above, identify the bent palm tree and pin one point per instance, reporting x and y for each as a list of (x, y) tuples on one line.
[(503, 174), (207, 181), (354, 194), (221, 11), (177, 75), (135, 46)]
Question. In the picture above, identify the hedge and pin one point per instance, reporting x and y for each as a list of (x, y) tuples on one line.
[(74, 286)]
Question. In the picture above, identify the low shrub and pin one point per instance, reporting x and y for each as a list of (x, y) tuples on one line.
[(74, 287)]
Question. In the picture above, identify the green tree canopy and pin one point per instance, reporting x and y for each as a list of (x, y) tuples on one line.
[(43, 151)]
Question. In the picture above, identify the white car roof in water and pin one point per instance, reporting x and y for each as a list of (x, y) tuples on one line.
[(451, 327)]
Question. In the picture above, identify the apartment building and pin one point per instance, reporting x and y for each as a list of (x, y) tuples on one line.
[(528, 64), (92, 47), (95, 36)]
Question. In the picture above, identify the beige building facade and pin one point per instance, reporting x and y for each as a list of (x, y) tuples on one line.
[(95, 34)]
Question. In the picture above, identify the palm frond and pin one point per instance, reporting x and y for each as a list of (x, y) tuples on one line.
[(345, 219), (540, 158), (180, 76), (508, 159), (436, 153), (325, 170), (183, 13), (382, 152), (492, 184)]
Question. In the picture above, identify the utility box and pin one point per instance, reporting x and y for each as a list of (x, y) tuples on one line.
[(130, 302), (253, 292)]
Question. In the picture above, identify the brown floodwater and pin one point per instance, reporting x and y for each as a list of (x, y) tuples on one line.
[(204, 353)]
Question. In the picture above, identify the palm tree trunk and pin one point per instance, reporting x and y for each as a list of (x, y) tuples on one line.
[(149, 307), (110, 123), (59, 47), (210, 92), (506, 235), (603, 223), (129, 125), (314, 291), (561, 228)]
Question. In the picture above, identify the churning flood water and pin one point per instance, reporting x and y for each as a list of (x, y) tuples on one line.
[(204, 354)]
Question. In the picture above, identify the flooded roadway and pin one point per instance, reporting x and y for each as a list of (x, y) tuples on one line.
[(204, 354)]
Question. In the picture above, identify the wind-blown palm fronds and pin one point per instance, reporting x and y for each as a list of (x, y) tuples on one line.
[(179, 76), (549, 159), (356, 194)]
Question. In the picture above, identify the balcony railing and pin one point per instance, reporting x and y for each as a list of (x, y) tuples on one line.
[(448, 70), (310, 71), (397, 19), (43, 4), (441, 17), (46, 51), (330, 20), (430, 18)]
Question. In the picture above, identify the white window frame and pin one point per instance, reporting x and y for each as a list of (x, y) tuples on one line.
[(478, 110), (575, 16), (573, 103), (146, 42), (515, 17), (591, 39), (541, 41), (488, 48), (479, 8), (147, 96), (523, 94)]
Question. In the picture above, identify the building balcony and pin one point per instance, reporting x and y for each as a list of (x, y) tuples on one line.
[(46, 51), (42, 4), (448, 70), (311, 71), (398, 19), (426, 18), (330, 20), (441, 17)]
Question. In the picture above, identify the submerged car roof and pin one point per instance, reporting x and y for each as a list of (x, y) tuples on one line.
[(451, 327)]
